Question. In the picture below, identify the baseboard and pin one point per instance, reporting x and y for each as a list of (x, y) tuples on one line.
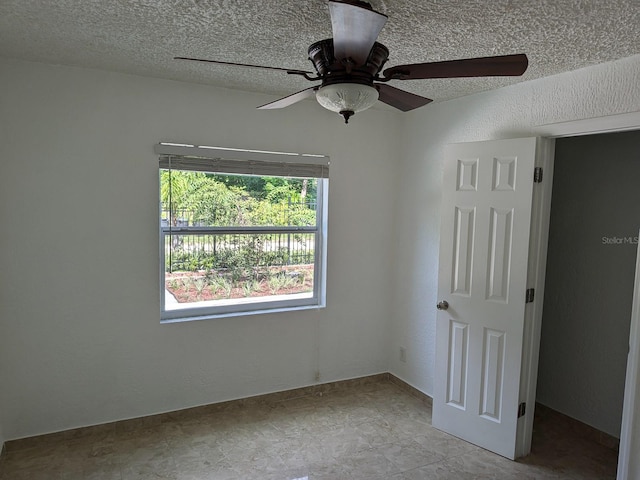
[(152, 420), (584, 430), (411, 389)]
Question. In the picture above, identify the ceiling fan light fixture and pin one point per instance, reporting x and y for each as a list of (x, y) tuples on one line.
[(349, 98)]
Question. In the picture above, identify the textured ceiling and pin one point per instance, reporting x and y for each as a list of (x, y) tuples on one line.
[(143, 36)]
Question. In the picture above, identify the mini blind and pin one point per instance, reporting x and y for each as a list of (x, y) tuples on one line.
[(246, 162)]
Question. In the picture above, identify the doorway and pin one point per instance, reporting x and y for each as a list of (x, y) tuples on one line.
[(595, 215)]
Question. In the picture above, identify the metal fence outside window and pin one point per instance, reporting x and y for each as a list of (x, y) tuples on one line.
[(191, 244)]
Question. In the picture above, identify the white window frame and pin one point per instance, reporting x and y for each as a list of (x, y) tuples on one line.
[(239, 161)]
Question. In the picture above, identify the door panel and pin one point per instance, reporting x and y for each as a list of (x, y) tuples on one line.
[(484, 245), (498, 268), (492, 370), (457, 365), (463, 251)]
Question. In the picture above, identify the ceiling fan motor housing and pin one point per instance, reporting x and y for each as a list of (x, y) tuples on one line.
[(333, 71)]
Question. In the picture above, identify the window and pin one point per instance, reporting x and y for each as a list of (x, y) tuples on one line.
[(241, 231)]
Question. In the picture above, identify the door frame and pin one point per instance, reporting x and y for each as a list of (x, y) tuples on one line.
[(536, 275), (629, 435), (630, 431)]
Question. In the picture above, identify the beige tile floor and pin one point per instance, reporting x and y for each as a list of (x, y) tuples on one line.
[(371, 431)]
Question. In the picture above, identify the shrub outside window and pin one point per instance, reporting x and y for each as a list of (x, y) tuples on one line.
[(241, 231)]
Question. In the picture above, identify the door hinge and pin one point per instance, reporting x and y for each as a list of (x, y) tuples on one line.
[(529, 295), (522, 409), (537, 175)]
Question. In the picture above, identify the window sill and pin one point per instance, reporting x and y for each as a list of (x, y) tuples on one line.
[(214, 316)]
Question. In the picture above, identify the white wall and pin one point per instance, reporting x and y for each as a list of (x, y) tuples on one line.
[(80, 338), (515, 111)]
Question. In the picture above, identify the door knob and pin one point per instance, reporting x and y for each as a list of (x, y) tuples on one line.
[(443, 305)]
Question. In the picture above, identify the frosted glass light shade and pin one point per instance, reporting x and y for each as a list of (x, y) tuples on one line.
[(349, 97)]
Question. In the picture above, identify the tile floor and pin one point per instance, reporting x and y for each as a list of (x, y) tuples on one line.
[(375, 430)]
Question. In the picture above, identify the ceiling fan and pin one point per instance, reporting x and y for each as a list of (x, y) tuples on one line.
[(349, 66)]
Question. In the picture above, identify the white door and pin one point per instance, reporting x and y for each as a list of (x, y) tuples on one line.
[(484, 248)]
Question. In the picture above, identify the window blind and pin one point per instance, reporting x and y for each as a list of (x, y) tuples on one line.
[(245, 162)]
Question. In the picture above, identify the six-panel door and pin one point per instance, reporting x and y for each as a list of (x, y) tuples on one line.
[(484, 246)]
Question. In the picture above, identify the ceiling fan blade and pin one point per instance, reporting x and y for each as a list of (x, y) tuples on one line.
[(400, 99), (505, 65), (291, 99), (218, 62), (356, 27)]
